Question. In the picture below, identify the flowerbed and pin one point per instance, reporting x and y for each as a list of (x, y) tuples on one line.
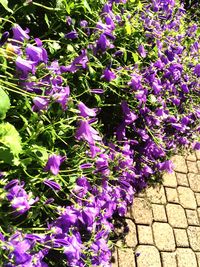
[(88, 117)]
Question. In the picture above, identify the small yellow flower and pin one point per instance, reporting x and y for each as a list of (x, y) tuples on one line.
[(10, 50)]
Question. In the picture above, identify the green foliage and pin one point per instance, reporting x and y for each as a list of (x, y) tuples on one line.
[(4, 103), (4, 3), (10, 144)]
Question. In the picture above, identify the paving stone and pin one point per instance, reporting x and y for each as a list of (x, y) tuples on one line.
[(191, 156), (141, 210), (145, 234), (198, 258), (194, 237), (126, 257), (182, 179), (141, 194), (197, 154), (192, 217), (186, 197), (131, 237), (186, 257), (179, 164), (197, 195), (156, 194), (172, 195), (169, 179), (198, 211), (114, 259), (159, 213), (194, 181), (149, 257), (176, 216), (181, 238), (163, 236), (192, 166), (168, 259), (198, 165)]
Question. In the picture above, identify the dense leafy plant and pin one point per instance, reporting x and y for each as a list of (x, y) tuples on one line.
[(91, 110)]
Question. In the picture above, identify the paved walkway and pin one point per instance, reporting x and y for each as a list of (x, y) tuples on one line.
[(164, 222)]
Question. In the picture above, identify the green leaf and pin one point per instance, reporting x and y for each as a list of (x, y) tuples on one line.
[(98, 99), (4, 3), (9, 138), (86, 5), (10, 144), (47, 20), (5, 155), (128, 28), (53, 47), (135, 57), (4, 103), (40, 152)]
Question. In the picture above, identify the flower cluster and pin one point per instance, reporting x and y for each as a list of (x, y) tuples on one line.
[(103, 124)]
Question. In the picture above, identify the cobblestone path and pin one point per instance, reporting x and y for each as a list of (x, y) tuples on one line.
[(164, 221)]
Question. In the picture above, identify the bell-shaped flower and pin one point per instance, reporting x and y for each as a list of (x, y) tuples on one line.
[(72, 35), (19, 34), (40, 103), (197, 70), (53, 164), (142, 51), (36, 54), (85, 111), (79, 62), (108, 75), (87, 133), (53, 185), (62, 96), (20, 201), (129, 116), (25, 67)]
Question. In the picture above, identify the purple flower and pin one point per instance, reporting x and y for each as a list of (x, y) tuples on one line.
[(79, 62), (25, 66), (97, 91), (19, 34), (19, 199), (129, 116), (72, 35), (82, 187), (197, 70), (83, 23), (108, 75), (53, 164), (40, 103), (85, 111), (53, 185), (11, 184), (197, 146), (36, 54), (135, 82), (166, 166), (87, 133), (103, 43), (62, 96), (142, 51), (86, 166), (20, 204), (72, 249), (4, 38), (68, 20)]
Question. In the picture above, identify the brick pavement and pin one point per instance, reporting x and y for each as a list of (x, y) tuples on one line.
[(164, 221)]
